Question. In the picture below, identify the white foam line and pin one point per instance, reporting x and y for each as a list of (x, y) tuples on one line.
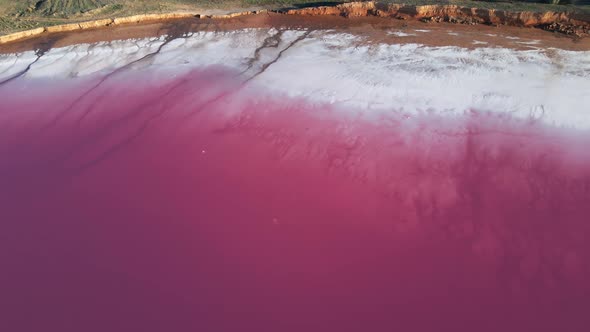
[(400, 33), (532, 42)]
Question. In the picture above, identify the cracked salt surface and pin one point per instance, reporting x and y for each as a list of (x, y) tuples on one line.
[(332, 67)]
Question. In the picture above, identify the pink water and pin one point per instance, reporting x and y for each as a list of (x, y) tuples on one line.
[(193, 205)]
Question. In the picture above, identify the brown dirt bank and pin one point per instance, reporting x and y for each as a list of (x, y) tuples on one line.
[(369, 18), (577, 24)]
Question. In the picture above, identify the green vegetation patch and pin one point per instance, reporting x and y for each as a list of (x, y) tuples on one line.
[(63, 8)]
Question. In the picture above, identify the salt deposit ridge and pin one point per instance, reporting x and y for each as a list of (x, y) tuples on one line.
[(284, 179)]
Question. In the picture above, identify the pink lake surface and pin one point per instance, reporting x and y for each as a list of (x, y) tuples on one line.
[(191, 204)]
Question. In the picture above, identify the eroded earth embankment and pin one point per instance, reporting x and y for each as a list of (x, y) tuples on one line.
[(569, 23)]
